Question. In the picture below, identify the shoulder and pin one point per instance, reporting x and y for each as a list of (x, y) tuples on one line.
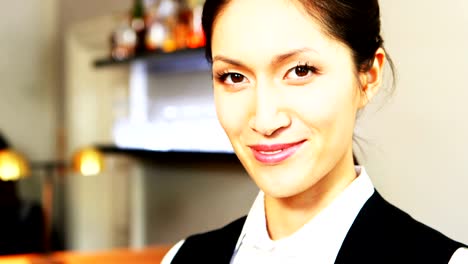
[(172, 252), (382, 229), (216, 245), (460, 256)]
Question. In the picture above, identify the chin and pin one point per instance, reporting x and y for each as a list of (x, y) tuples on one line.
[(281, 193), (283, 185)]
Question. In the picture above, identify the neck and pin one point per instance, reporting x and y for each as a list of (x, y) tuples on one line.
[(287, 215)]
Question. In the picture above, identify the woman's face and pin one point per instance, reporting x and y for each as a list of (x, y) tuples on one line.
[(286, 94)]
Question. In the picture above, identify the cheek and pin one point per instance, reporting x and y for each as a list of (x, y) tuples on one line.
[(232, 112), (328, 109)]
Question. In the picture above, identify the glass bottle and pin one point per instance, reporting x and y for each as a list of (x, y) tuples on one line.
[(183, 24), (167, 16), (123, 40), (138, 24), (196, 39), (155, 31)]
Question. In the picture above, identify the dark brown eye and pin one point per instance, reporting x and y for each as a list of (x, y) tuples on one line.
[(237, 78), (302, 71)]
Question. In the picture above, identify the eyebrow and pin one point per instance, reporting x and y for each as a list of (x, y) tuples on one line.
[(282, 57), (276, 60), (228, 60)]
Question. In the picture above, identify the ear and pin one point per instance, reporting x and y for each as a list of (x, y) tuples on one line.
[(372, 79)]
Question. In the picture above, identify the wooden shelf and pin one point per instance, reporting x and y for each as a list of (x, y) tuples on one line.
[(178, 61)]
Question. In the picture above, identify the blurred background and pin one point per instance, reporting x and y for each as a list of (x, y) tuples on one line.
[(128, 79)]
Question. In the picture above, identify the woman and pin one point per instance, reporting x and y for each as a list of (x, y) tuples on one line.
[(289, 78)]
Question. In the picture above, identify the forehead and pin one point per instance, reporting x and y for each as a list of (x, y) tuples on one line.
[(252, 28)]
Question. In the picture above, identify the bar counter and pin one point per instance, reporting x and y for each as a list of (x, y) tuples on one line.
[(147, 255)]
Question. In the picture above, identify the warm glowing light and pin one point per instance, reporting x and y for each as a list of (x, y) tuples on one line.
[(12, 166), (88, 162), (169, 45), (90, 167)]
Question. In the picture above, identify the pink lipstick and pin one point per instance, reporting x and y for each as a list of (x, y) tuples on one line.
[(273, 154)]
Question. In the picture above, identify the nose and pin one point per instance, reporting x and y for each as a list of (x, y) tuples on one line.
[(269, 116)]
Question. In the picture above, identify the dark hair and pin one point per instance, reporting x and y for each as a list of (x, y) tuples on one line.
[(354, 23), (211, 10)]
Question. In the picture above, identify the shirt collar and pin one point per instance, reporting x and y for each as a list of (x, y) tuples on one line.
[(326, 231)]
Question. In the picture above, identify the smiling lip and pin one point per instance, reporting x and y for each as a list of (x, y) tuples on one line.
[(272, 154)]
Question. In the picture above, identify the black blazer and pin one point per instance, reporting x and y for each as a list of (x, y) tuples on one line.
[(381, 233)]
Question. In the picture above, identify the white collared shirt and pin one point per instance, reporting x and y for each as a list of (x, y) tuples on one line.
[(318, 241)]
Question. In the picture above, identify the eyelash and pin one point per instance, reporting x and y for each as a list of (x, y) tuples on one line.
[(306, 66), (222, 76)]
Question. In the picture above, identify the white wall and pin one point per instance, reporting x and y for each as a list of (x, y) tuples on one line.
[(78, 11), (417, 151), (28, 80)]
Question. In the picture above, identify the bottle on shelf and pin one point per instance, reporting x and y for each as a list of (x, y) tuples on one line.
[(123, 40), (183, 24), (166, 25), (196, 38), (167, 16), (156, 32), (138, 25)]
